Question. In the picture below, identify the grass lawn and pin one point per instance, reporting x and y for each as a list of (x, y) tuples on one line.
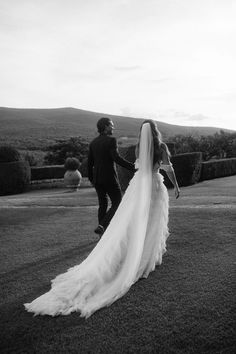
[(185, 306)]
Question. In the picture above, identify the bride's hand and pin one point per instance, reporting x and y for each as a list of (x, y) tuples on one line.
[(177, 192)]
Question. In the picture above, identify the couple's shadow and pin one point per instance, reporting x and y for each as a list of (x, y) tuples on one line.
[(78, 253)]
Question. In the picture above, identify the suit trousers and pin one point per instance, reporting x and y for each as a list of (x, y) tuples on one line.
[(104, 191)]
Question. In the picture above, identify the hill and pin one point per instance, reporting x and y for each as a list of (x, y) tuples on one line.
[(34, 129)]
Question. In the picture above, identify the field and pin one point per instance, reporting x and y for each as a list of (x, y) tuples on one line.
[(185, 306)]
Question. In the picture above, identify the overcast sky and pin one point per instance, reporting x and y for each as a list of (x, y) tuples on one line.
[(171, 60)]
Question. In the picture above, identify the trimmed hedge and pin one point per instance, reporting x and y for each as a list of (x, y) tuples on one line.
[(15, 173), (14, 177), (218, 168), (47, 172), (187, 168), (55, 171), (9, 154)]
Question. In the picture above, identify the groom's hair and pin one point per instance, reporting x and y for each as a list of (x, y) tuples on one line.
[(102, 124)]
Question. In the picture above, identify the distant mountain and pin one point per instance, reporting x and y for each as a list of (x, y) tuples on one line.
[(36, 127)]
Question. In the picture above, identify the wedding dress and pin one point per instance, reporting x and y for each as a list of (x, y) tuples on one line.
[(130, 248)]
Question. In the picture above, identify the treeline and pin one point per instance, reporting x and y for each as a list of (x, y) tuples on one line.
[(218, 146), (73, 147)]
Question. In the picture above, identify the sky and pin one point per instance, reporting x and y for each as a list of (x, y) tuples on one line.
[(169, 60)]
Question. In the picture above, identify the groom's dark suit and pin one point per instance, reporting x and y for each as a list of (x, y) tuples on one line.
[(103, 154)]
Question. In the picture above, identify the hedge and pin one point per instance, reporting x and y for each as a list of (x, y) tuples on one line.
[(187, 168), (47, 172), (218, 168), (14, 177), (54, 171), (9, 154)]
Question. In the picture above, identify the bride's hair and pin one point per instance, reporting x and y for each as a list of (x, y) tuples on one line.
[(158, 145)]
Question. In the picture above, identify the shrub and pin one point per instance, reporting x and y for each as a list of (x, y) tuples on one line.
[(14, 177), (14, 172), (218, 168), (9, 154), (72, 164)]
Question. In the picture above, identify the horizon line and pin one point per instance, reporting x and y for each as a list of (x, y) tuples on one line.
[(116, 115)]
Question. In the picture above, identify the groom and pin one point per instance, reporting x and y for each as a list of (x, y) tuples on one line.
[(103, 154)]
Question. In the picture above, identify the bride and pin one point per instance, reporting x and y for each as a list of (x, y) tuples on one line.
[(132, 245)]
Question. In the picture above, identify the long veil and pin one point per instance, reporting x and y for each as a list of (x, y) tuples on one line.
[(114, 264)]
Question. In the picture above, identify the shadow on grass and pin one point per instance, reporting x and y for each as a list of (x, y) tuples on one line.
[(59, 258)]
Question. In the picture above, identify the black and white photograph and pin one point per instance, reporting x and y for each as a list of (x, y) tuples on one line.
[(117, 176)]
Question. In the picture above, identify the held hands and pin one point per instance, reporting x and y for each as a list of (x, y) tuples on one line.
[(177, 192)]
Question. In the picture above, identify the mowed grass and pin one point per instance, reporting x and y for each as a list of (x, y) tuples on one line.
[(185, 306)]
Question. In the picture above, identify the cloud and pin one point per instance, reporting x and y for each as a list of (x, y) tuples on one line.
[(147, 57), (196, 118), (229, 97), (128, 68)]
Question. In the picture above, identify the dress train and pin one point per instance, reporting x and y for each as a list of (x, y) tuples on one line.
[(130, 248)]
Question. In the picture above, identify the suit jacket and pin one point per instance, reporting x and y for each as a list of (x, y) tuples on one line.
[(103, 154)]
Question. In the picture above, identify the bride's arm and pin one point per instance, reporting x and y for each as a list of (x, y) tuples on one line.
[(168, 168)]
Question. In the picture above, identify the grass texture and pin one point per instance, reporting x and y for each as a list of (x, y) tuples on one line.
[(185, 306)]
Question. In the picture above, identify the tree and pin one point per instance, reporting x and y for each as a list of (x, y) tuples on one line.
[(220, 145), (73, 147)]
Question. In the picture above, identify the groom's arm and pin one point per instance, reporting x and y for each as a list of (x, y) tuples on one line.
[(117, 158), (90, 165)]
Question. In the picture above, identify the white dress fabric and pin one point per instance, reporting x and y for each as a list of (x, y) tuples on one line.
[(130, 248)]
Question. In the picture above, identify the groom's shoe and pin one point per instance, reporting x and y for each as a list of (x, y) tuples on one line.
[(99, 230)]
